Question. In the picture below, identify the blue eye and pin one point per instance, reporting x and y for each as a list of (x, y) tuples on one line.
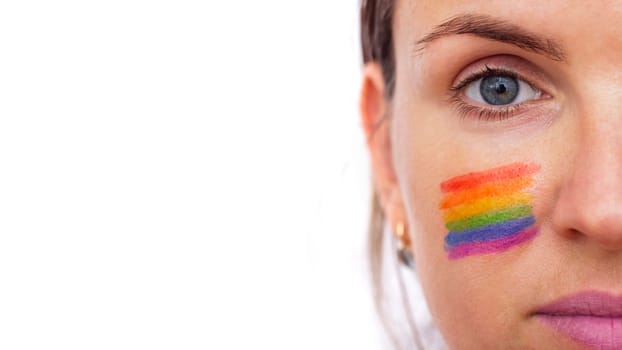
[(500, 90)]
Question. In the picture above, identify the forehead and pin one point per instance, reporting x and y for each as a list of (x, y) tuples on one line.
[(589, 33), (555, 18)]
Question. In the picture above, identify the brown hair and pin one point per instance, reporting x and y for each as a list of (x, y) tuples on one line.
[(377, 37), (377, 46)]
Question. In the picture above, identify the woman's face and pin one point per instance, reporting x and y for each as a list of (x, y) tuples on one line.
[(523, 98)]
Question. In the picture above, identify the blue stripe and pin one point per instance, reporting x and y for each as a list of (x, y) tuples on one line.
[(486, 233)]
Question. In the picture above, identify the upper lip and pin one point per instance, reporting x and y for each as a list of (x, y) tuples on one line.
[(589, 303)]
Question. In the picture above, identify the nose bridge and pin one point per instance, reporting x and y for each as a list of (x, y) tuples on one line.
[(599, 120), (590, 201), (600, 126), (598, 164)]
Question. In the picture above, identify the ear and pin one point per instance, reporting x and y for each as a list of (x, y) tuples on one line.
[(375, 112)]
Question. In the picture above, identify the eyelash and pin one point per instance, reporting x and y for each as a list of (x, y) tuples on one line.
[(466, 110)]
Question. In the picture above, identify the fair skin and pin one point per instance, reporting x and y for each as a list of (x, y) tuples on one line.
[(572, 128)]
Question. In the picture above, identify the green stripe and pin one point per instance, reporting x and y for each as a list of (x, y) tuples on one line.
[(491, 217)]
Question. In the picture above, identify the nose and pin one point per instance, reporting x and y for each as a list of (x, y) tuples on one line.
[(589, 201)]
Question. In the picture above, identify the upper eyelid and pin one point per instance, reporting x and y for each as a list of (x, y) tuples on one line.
[(487, 72)]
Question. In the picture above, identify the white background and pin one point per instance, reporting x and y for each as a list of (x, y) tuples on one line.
[(182, 175)]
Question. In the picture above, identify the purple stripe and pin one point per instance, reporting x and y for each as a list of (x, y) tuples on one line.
[(495, 246), (490, 232)]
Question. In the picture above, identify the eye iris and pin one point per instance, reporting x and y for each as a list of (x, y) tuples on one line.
[(499, 89)]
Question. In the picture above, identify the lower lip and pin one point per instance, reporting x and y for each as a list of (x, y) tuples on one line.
[(603, 333)]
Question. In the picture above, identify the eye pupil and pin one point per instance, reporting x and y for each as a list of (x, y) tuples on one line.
[(499, 89)]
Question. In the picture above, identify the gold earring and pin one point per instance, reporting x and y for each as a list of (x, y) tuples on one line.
[(404, 252)]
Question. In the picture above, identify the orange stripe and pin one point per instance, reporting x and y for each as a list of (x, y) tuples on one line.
[(493, 189), (503, 173)]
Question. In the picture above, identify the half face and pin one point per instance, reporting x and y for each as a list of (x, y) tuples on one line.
[(505, 159)]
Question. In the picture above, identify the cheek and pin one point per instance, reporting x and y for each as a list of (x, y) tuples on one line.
[(489, 212), (467, 236), (470, 281), (481, 213)]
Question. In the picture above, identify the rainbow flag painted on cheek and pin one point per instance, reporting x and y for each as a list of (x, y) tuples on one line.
[(490, 211)]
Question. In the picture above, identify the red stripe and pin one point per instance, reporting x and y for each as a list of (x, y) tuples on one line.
[(503, 173)]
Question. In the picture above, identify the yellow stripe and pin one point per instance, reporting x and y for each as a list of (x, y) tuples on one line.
[(484, 205)]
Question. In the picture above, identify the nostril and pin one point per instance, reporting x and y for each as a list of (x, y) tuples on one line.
[(603, 228), (585, 211)]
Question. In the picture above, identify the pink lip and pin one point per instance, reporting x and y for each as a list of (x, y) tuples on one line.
[(591, 318)]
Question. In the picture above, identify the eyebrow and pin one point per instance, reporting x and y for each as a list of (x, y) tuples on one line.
[(488, 27)]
